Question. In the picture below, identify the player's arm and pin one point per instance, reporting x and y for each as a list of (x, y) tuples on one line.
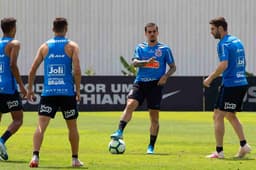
[(14, 52), (76, 68), (42, 51), (164, 78), (141, 63), (216, 73)]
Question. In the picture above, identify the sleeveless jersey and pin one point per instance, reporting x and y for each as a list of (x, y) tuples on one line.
[(8, 84), (58, 79)]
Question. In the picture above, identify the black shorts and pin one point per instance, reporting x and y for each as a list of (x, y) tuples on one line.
[(49, 105), (10, 102), (149, 91), (230, 99)]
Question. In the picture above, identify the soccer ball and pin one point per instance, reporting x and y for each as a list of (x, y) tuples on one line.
[(116, 146)]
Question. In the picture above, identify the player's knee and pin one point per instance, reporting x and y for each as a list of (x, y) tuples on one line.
[(18, 123), (131, 105)]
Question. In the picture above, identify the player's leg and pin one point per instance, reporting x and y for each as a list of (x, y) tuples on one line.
[(38, 137), (70, 114), (236, 100), (74, 141), (47, 111), (14, 105), (135, 98), (154, 98), (154, 128), (219, 128)]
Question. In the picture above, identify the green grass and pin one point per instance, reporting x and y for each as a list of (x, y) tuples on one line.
[(184, 140)]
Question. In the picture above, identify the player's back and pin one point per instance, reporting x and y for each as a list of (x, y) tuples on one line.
[(58, 79), (8, 83)]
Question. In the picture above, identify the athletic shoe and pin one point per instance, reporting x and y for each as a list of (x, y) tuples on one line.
[(77, 163), (3, 152), (34, 162), (150, 149), (219, 155), (243, 151), (117, 135)]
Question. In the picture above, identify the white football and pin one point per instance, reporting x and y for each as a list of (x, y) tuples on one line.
[(116, 146)]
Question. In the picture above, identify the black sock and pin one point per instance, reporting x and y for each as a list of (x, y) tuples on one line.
[(219, 149), (242, 143), (122, 125), (36, 153), (75, 156), (152, 140), (7, 134)]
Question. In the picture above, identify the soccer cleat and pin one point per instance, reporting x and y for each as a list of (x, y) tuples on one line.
[(77, 163), (34, 162), (150, 149), (117, 135), (3, 152), (243, 151), (219, 155)]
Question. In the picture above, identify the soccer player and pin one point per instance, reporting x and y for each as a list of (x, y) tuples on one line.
[(61, 72), (10, 100), (151, 58), (233, 87)]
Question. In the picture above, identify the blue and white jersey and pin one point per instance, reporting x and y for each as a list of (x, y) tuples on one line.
[(58, 79), (153, 71), (8, 84), (231, 49)]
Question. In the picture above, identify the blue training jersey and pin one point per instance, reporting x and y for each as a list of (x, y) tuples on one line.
[(8, 84), (58, 79), (153, 71), (231, 49)]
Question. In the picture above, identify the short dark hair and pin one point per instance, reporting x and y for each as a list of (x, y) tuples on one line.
[(150, 24), (59, 24), (219, 21), (7, 24)]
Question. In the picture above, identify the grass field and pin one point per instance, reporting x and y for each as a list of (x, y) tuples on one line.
[(184, 140)]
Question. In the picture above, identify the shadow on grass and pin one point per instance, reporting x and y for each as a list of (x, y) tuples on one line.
[(155, 154), (11, 161), (239, 159), (61, 167)]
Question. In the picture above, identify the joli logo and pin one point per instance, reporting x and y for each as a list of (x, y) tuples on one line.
[(56, 70)]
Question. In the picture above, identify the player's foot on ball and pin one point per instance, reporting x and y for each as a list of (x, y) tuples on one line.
[(34, 162), (243, 151), (150, 149), (219, 155), (117, 135), (77, 163), (3, 152)]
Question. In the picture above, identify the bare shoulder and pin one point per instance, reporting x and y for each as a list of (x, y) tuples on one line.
[(15, 43), (73, 44), (43, 49)]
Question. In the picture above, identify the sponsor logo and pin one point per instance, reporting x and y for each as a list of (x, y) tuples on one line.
[(56, 70), (170, 94), (240, 74), (1, 55), (158, 53), (239, 50), (46, 109), (56, 56), (240, 61), (69, 113), (1, 67), (228, 105), (56, 81), (12, 104), (154, 64)]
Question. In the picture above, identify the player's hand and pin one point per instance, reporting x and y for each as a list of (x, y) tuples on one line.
[(23, 93), (152, 60), (78, 97), (162, 80), (207, 82), (31, 96)]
